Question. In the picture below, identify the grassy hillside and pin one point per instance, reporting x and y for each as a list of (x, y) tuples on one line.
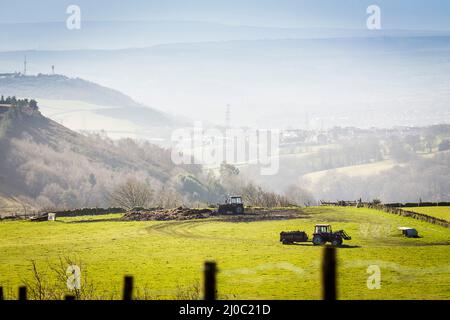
[(362, 170), (166, 257), (438, 212), (367, 170)]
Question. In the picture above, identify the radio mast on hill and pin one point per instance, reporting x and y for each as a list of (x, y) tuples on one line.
[(25, 66), (228, 116)]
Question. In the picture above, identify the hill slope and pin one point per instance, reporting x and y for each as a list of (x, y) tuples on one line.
[(62, 87), (49, 165)]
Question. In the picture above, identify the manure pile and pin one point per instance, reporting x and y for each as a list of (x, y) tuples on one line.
[(179, 213)]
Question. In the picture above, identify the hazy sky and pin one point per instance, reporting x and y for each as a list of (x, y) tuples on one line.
[(270, 77), (397, 14)]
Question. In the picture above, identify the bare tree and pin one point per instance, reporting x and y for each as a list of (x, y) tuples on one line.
[(85, 290), (37, 285), (49, 281), (168, 198), (131, 194), (257, 196), (299, 196)]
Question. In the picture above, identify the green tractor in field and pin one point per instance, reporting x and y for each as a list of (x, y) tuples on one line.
[(233, 205)]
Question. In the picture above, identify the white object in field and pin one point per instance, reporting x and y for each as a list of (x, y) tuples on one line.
[(51, 216)]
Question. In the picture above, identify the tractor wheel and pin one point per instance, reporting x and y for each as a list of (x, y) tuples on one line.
[(285, 241), (336, 242), (318, 240), (239, 210)]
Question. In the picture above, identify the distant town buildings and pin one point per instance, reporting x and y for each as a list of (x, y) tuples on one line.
[(9, 75)]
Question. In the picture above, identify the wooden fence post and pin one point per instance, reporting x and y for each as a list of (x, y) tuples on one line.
[(128, 288), (329, 273), (22, 293), (210, 281)]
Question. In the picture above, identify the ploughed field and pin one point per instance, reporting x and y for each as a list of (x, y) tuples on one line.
[(166, 257)]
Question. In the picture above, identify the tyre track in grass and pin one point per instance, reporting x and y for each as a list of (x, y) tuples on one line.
[(181, 229), (189, 229)]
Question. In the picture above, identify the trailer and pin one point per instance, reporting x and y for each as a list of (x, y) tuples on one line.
[(290, 237)]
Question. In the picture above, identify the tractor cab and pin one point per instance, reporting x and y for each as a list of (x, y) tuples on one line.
[(234, 200), (322, 228)]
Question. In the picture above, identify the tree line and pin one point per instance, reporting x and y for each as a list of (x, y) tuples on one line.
[(13, 101)]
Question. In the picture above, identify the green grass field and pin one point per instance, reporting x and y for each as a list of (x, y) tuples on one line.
[(437, 212), (166, 258)]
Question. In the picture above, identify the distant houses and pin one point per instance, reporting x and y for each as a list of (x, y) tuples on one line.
[(10, 75), (5, 105)]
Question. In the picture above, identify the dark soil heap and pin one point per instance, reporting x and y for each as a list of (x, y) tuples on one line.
[(179, 213)]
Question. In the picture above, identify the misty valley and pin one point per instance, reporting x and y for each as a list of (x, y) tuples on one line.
[(225, 150), (313, 165)]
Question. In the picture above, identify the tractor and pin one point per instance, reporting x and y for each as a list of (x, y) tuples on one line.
[(323, 234), (233, 204)]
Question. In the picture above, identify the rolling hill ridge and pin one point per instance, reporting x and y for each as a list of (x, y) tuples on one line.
[(48, 165)]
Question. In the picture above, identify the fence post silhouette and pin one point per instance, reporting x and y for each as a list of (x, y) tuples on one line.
[(22, 293), (329, 274), (210, 281), (329, 283), (128, 288)]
